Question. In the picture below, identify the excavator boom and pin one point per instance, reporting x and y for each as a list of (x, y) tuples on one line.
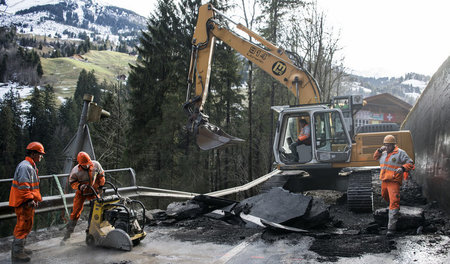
[(271, 59), (330, 146)]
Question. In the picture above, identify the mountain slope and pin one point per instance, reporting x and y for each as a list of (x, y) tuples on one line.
[(68, 18), (407, 88), (62, 73)]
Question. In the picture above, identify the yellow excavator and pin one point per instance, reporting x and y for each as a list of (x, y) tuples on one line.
[(332, 146)]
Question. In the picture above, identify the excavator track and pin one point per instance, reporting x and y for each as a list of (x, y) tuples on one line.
[(359, 191)]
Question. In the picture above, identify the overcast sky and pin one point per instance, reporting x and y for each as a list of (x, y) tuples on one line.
[(378, 37)]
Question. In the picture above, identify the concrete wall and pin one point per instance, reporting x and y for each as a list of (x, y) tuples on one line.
[(429, 123)]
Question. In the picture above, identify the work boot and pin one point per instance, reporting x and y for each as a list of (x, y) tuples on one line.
[(69, 230), (27, 251), (17, 251), (392, 222)]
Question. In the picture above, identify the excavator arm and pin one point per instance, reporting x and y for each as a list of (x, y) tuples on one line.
[(271, 59)]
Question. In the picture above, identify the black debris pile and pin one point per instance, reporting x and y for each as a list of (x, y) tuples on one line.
[(277, 209), (333, 247)]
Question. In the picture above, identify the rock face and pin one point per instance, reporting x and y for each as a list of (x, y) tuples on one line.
[(429, 123), (410, 217)]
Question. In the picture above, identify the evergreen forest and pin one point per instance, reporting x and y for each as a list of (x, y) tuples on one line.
[(146, 129)]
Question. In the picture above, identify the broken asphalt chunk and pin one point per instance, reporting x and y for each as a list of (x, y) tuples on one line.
[(410, 217), (317, 216), (183, 210), (276, 205)]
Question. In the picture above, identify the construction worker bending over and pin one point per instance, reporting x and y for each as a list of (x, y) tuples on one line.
[(304, 138), (25, 195), (87, 173), (395, 165)]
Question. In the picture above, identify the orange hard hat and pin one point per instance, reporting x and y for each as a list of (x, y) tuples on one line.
[(389, 139), (83, 158), (36, 146)]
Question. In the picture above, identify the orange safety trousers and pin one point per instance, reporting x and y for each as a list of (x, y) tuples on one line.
[(78, 203), (25, 215), (390, 191)]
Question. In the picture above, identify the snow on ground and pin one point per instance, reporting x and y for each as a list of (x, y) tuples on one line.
[(23, 90), (355, 87), (16, 5), (414, 96), (416, 83), (62, 99)]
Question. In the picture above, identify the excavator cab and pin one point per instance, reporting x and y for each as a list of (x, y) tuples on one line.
[(330, 141)]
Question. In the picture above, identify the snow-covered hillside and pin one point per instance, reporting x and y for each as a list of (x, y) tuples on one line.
[(12, 6), (67, 18), (408, 88), (414, 94), (355, 88), (23, 90), (416, 83)]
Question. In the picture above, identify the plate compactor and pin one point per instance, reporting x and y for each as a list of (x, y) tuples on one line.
[(113, 222)]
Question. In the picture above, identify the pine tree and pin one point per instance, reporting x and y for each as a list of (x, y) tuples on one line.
[(41, 121), (87, 84), (39, 69), (159, 147), (108, 135), (11, 142)]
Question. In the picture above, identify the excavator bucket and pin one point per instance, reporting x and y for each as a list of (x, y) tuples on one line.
[(210, 136)]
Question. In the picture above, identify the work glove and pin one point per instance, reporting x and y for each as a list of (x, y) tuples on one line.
[(83, 187), (32, 203)]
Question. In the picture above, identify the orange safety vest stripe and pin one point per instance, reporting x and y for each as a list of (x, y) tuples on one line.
[(390, 164), (24, 191), (99, 181)]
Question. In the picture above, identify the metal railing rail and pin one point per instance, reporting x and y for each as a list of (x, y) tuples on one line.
[(55, 202), (245, 186), (43, 177)]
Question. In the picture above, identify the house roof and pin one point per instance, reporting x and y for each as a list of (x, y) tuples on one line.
[(386, 99)]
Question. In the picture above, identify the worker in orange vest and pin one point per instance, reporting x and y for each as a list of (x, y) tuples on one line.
[(395, 165), (25, 197), (88, 173), (304, 138)]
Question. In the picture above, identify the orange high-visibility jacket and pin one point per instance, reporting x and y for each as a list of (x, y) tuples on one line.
[(390, 162), (25, 185), (305, 133), (79, 176)]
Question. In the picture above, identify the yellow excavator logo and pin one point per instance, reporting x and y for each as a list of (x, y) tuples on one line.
[(279, 68)]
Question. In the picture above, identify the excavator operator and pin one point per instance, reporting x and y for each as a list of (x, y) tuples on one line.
[(304, 138)]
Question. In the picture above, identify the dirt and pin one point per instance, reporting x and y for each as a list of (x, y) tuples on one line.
[(211, 230), (44, 234), (348, 234)]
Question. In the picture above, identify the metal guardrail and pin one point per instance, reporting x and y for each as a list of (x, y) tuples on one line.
[(44, 177), (245, 186), (55, 202)]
